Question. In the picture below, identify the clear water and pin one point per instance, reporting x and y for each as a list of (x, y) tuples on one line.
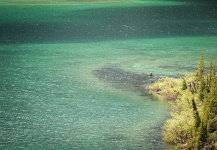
[(72, 77)]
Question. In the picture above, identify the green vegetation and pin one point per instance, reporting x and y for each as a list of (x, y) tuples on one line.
[(193, 123)]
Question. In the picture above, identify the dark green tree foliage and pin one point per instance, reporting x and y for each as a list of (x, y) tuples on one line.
[(213, 92), (203, 131), (196, 115), (200, 70), (200, 127), (204, 126), (184, 85), (201, 88), (202, 135), (200, 78), (207, 81), (209, 76), (213, 80), (207, 93)]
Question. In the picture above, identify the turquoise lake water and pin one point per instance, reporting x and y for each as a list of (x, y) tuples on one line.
[(72, 77)]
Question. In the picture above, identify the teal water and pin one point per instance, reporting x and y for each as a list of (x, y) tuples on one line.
[(73, 77)]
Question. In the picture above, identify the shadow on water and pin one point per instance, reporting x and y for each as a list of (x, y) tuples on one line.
[(111, 23), (207, 2), (119, 78)]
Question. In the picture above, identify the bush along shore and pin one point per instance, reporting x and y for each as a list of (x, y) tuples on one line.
[(193, 122)]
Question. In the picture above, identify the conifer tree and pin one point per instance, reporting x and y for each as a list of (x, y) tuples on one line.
[(198, 130), (209, 111), (202, 135), (213, 81), (184, 85), (200, 70), (196, 115), (213, 92), (209, 76), (203, 129), (200, 90)]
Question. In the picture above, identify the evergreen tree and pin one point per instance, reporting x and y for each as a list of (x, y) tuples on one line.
[(203, 130), (201, 88), (200, 78), (213, 81), (200, 70), (209, 76), (213, 92), (202, 135), (184, 85), (207, 84), (209, 110), (196, 115)]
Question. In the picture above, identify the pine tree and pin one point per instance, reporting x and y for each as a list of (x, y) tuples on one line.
[(184, 85), (213, 92), (202, 135), (213, 81), (196, 115), (203, 129), (209, 110), (200, 70), (200, 78), (201, 88)]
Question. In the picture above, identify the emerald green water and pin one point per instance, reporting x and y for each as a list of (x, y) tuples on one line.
[(72, 77)]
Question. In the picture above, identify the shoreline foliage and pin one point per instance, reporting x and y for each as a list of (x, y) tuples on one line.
[(193, 122)]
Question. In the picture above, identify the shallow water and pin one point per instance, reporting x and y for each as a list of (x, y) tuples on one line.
[(73, 78)]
